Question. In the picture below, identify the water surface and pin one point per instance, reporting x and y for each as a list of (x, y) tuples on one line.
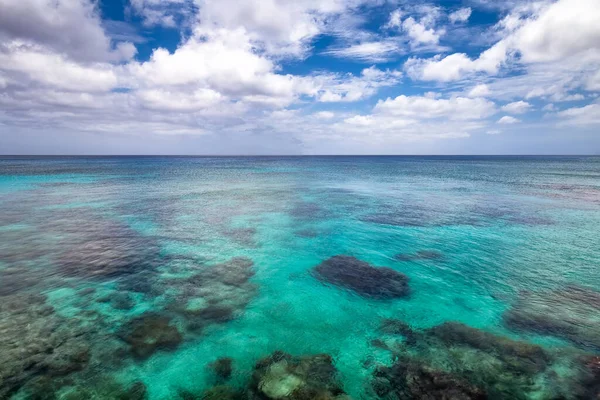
[(125, 271)]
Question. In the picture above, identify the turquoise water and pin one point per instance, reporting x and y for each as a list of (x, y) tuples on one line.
[(89, 246)]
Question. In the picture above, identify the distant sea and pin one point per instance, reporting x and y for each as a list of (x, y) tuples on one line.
[(300, 277)]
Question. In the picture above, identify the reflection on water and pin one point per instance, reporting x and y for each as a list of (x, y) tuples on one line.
[(299, 278)]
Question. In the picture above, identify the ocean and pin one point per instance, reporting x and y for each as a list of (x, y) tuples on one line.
[(300, 277)]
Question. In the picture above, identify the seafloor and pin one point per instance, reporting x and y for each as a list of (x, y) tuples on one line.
[(300, 278)]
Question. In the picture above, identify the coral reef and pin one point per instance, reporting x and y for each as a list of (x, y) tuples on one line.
[(222, 367), (217, 294), (148, 333), (34, 340), (282, 376), (570, 313), (362, 278), (410, 380), (527, 357), (466, 362)]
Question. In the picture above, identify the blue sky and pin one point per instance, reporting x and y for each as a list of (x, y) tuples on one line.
[(299, 77)]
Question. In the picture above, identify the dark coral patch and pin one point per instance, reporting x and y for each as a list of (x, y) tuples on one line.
[(362, 278), (566, 313), (529, 357), (408, 380), (222, 367), (500, 366), (35, 341), (149, 333)]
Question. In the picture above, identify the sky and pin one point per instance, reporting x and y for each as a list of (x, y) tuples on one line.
[(299, 77)]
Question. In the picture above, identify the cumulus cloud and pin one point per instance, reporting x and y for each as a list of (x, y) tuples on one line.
[(456, 108), (508, 120), (460, 15), (535, 33), (481, 90), (72, 28), (517, 107), (586, 115)]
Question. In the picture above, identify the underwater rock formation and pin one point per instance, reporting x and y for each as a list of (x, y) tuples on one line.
[(105, 257), (222, 367), (217, 294), (587, 384), (396, 327), (220, 393), (96, 247), (410, 380), (107, 388), (149, 333), (242, 236), (476, 362), (362, 278), (568, 313), (524, 356), (282, 376), (34, 340), (420, 255), (307, 211)]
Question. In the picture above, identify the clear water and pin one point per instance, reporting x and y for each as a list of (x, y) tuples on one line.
[(501, 225)]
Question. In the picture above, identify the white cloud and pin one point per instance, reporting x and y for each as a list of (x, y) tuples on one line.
[(593, 82), (586, 115), (419, 33), (324, 115), (454, 66), (517, 107), (562, 29), (70, 27), (507, 120), (455, 108), (546, 32), (481, 90), (282, 28), (32, 64), (460, 15), (368, 51), (165, 100), (165, 13)]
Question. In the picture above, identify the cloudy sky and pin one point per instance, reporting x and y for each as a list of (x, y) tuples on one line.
[(299, 77)]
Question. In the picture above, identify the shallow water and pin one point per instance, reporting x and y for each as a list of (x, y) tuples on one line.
[(491, 242)]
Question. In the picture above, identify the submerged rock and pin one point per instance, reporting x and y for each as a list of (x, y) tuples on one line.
[(222, 367), (36, 341), (105, 387), (362, 278), (282, 376), (587, 383), (570, 313), (217, 294), (397, 327), (524, 356), (420, 255), (409, 380), (149, 333), (222, 393), (97, 247), (498, 367)]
